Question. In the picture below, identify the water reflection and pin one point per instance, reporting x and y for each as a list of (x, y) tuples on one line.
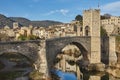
[(71, 59), (65, 75), (86, 76)]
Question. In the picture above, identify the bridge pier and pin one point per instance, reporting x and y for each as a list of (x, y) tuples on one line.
[(112, 51), (41, 63), (109, 55), (79, 74)]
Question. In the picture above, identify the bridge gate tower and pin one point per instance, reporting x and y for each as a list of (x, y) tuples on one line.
[(91, 27)]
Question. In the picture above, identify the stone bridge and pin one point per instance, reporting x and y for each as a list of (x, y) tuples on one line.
[(43, 53), (34, 50), (40, 51), (55, 46), (26, 48)]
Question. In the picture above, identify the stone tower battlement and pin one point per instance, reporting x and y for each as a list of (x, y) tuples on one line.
[(91, 22), (97, 10)]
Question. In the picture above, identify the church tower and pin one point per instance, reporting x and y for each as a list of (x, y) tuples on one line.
[(91, 27)]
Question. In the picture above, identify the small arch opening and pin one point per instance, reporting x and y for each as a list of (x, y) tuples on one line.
[(14, 65), (87, 31)]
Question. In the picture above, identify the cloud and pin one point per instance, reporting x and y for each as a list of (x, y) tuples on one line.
[(112, 8), (61, 11)]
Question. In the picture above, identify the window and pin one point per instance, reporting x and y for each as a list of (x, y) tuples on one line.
[(87, 31), (80, 29)]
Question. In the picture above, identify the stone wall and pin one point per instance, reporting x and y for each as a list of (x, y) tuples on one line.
[(27, 48), (108, 50)]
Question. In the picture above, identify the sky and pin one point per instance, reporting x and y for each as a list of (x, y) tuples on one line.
[(57, 10)]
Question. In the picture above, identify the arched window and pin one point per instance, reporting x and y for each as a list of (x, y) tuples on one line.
[(87, 31), (75, 28), (81, 29)]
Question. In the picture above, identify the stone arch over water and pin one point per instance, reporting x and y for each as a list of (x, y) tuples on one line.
[(16, 64), (71, 58), (27, 49), (55, 46), (15, 52), (83, 50)]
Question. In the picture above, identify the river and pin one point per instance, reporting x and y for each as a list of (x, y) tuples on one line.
[(86, 76)]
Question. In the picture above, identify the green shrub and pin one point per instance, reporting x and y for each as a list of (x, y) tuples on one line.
[(30, 37), (103, 32), (35, 75)]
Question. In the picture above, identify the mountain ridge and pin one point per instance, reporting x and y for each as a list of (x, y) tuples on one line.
[(25, 22)]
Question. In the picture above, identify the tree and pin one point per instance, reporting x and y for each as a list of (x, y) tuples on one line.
[(103, 32), (106, 16), (79, 18), (30, 37), (22, 37)]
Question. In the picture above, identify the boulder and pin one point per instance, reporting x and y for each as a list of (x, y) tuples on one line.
[(114, 72)]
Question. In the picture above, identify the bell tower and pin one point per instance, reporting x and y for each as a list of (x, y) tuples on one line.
[(91, 27)]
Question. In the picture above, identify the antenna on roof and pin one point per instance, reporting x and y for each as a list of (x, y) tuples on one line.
[(98, 4)]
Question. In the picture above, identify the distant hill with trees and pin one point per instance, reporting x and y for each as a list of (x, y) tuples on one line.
[(25, 22), (106, 16), (5, 21)]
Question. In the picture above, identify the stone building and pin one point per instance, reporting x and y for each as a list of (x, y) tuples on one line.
[(100, 47), (26, 31), (77, 27), (111, 25), (15, 25), (112, 20)]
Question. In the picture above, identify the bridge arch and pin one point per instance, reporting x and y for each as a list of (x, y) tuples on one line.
[(55, 46), (15, 52), (19, 53), (83, 50), (28, 49)]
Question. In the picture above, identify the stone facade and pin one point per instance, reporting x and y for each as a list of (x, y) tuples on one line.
[(109, 29), (112, 20), (15, 25), (108, 52), (111, 25)]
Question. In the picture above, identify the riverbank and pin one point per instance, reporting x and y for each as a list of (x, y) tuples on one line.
[(114, 70)]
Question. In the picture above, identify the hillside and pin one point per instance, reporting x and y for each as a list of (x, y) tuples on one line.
[(20, 20), (27, 22), (45, 23), (24, 22), (5, 21)]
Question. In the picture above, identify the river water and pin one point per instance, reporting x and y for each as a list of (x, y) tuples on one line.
[(86, 76), (65, 75)]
